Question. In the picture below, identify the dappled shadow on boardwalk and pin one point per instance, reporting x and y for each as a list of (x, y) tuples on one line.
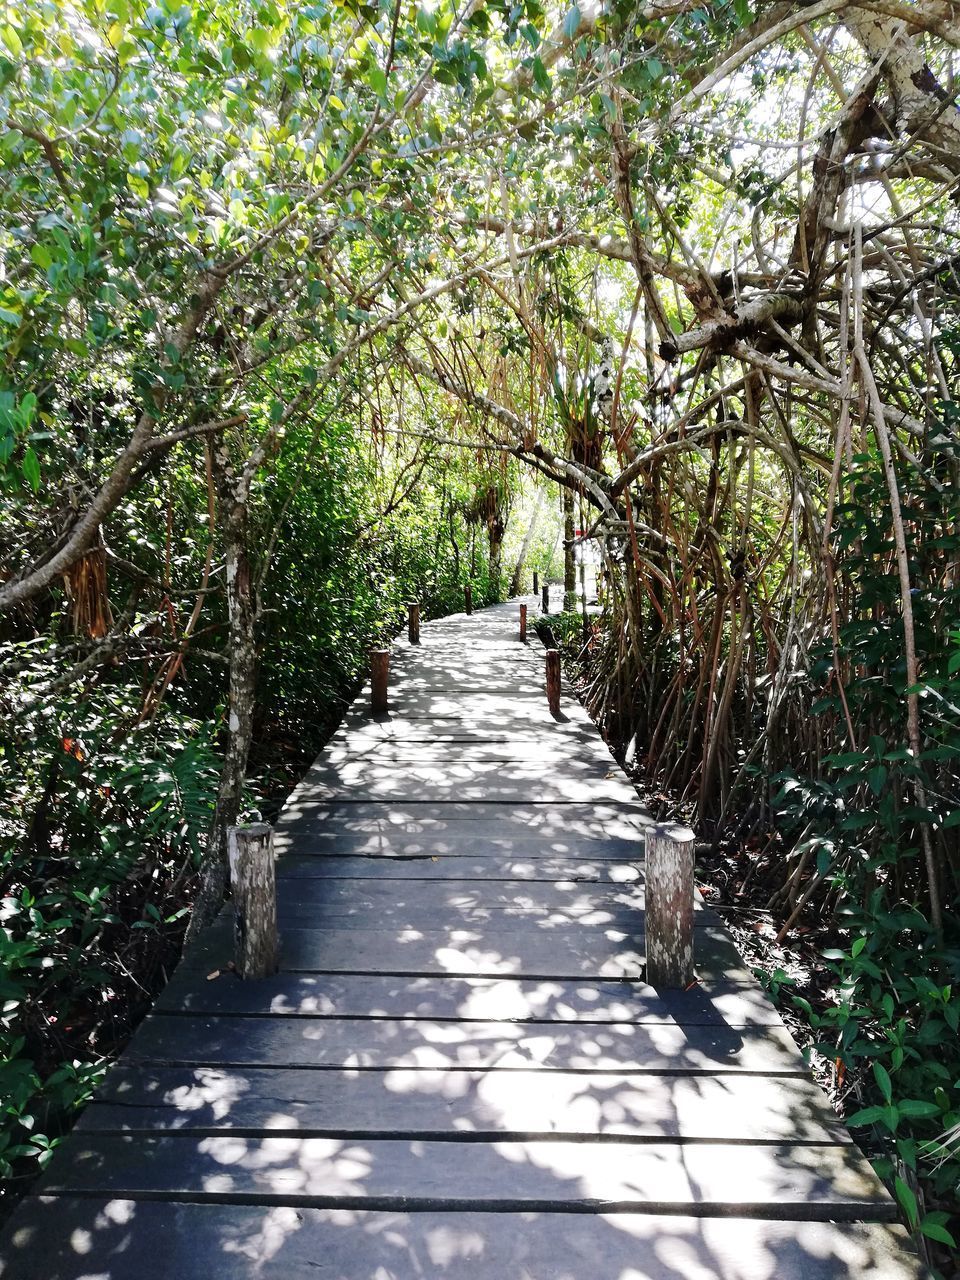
[(126, 1240)]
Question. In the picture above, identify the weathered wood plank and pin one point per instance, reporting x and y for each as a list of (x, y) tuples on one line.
[(815, 1182), (503, 999), (552, 829), (410, 860), (563, 952), (463, 781), (245, 1242), (380, 1042), (386, 1042), (601, 821), (305, 904), (445, 901), (507, 708), (521, 750), (414, 1102), (317, 836), (461, 953), (406, 728), (573, 898)]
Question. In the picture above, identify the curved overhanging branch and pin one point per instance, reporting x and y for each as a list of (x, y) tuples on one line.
[(741, 321), (924, 110), (570, 473)]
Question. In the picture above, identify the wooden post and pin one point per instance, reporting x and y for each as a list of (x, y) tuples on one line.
[(553, 681), (536, 583), (254, 887), (546, 597), (413, 622), (379, 671), (468, 598), (669, 905), (523, 623)]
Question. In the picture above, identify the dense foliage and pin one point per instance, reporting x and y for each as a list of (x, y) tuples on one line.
[(306, 311)]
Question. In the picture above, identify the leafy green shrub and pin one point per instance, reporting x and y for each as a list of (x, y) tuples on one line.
[(103, 828), (891, 1018)]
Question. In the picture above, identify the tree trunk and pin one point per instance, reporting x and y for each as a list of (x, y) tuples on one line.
[(234, 529), (569, 557), (496, 527)]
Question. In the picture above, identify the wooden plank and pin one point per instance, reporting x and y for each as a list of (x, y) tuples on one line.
[(411, 1102), (461, 954), (504, 999), (412, 784), (506, 708), (564, 952), (465, 781), (815, 1182), (317, 836), (304, 914), (446, 901), (601, 830), (384, 1042), (119, 1239), (601, 821), (403, 728), (516, 751), (490, 867), (307, 905), (574, 899), (516, 687)]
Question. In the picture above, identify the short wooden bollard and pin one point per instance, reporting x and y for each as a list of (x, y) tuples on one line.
[(379, 673), (468, 598), (413, 622), (536, 583), (669, 905), (553, 681), (546, 597), (523, 623), (254, 887)]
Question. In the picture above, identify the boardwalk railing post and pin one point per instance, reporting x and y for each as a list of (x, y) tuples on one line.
[(468, 598), (413, 622), (669, 905), (553, 681), (523, 623), (546, 597), (536, 583), (254, 888), (379, 671)]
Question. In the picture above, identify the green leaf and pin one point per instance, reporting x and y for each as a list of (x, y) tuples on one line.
[(378, 82), (571, 23), (908, 1201), (12, 40), (31, 469), (869, 1115), (882, 1077), (915, 1108), (934, 1231)]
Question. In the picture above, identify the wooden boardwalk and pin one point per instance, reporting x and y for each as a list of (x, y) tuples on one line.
[(459, 1071)]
